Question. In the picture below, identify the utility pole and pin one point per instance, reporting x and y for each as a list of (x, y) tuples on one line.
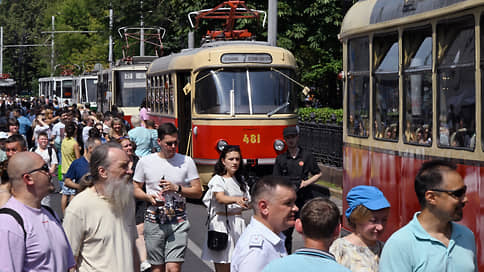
[(142, 33), (110, 57), (272, 28), (1, 50), (52, 69)]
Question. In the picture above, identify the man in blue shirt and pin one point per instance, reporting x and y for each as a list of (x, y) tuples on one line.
[(432, 241), (80, 167), (319, 223)]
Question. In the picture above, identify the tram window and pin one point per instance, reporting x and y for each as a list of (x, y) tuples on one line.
[(129, 86), (385, 63), (417, 63), (358, 87), (456, 83), (166, 84), (254, 91), (171, 97), (156, 94)]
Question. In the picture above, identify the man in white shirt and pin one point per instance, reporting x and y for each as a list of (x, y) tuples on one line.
[(170, 177), (274, 211)]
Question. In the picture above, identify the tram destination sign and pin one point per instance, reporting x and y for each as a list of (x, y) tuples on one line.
[(246, 58)]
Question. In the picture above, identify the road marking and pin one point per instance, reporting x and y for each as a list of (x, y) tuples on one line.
[(197, 251)]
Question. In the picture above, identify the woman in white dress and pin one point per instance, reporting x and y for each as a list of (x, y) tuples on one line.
[(228, 189)]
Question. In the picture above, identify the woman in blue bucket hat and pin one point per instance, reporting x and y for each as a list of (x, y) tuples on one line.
[(367, 215)]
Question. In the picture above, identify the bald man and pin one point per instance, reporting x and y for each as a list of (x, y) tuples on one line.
[(39, 244)]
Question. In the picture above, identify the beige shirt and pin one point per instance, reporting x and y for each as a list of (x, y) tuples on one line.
[(101, 239), (356, 258)]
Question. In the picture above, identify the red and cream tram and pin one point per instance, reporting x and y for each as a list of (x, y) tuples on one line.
[(236, 93), (413, 73)]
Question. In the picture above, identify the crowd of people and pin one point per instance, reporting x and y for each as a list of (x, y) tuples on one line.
[(124, 189)]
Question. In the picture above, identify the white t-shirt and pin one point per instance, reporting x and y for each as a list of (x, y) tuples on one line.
[(45, 155), (179, 169), (58, 133)]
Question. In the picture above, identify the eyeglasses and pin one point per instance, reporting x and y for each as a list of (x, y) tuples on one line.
[(44, 168), (174, 143), (455, 193)]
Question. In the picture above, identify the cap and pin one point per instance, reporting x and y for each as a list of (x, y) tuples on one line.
[(369, 196), (3, 135), (290, 131)]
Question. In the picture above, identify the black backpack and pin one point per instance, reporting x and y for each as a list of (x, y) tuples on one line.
[(19, 219)]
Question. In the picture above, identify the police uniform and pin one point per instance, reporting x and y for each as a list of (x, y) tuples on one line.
[(256, 248)]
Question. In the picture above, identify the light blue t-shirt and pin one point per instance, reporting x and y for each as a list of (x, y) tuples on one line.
[(411, 248), (143, 139), (307, 260)]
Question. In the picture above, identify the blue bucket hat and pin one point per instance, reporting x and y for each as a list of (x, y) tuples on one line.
[(369, 196)]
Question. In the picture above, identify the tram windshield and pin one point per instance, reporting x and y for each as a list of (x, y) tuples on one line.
[(90, 85), (255, 91), (130, 88)]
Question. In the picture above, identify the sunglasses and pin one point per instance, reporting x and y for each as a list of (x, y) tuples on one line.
[(456, 193), (174, 143), (44, 168)]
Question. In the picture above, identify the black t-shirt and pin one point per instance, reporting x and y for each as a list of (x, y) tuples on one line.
[(298, 168)]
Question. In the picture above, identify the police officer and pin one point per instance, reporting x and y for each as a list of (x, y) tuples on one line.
[(296, 163), (273, 201)]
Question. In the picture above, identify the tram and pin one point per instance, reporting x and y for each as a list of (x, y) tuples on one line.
[(123, 85), (226, 92), (413, 75), (60, 88), (86, 90)]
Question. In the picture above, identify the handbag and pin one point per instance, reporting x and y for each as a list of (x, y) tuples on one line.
[(217, 240)]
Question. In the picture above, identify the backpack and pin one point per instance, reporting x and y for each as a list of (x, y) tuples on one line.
[(19, 219)]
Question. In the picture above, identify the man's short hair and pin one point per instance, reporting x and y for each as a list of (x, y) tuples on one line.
[(42, 133), (267, 185), (135, 121), (13, 122), (430, 177), (17, 138), (319, 218), (91, 141), (99, 158), (166, 129)]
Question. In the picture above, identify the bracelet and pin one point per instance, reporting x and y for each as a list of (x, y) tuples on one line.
[(179, 190)]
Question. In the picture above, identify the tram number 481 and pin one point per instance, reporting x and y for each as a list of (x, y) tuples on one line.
[(251, 138)]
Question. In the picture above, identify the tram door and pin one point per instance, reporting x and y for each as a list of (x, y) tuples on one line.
[(184, 114)]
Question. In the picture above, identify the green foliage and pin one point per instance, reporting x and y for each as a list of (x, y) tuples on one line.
[(321, 115), (308, 28)]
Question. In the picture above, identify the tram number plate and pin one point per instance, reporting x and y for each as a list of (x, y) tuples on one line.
[(251, 138)]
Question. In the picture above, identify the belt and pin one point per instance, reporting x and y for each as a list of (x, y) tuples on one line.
[(229, 213)]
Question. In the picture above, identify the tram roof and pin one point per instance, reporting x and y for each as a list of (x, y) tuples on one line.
[(192, 59), (368, 14)]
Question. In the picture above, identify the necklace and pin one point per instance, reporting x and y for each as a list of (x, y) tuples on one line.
[(4, 191)]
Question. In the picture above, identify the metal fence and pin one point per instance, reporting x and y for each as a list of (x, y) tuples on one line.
[(325, 141)]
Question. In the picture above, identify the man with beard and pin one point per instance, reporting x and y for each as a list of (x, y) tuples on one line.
[(170, 178), (432, 241), (273, 201), (99, 222)]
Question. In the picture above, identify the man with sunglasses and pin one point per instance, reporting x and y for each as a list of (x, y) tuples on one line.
[(37, 242), (432, 241), (170, 177)]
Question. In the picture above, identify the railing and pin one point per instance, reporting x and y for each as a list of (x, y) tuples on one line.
[(325, 141)]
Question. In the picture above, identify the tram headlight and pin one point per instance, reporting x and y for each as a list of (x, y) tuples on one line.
[(279, 145), (221, 144)]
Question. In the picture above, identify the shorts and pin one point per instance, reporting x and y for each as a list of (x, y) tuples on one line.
[(166, 243), (67, 190)]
